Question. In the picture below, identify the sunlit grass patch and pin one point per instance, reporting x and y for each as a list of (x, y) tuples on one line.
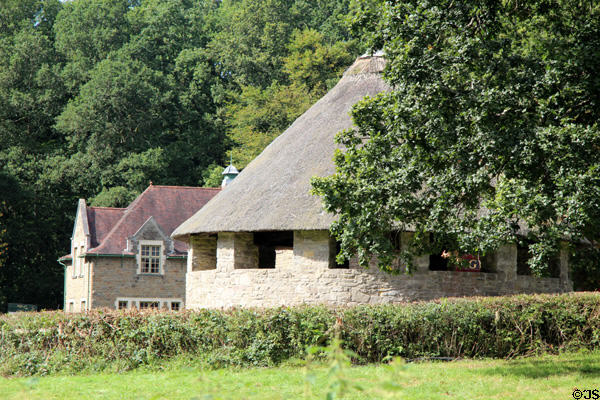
[(546, 377)]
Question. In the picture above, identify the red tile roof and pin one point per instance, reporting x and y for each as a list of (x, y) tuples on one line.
[(169, 205)]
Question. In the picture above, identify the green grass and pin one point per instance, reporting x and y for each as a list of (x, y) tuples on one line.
[(547, 377)]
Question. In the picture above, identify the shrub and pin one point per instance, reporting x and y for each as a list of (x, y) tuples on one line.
[(48, 342)]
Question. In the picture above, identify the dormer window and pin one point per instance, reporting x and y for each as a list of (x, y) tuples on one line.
[(150, 257)]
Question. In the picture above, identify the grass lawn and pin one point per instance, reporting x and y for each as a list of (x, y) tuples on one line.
[(548, 377)]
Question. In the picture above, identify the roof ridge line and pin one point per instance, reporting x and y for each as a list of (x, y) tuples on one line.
[(127, 211)]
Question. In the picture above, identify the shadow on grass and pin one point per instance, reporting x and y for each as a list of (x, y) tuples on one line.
[(583, 365)]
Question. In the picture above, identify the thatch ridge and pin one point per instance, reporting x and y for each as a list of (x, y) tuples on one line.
[(273, 191)]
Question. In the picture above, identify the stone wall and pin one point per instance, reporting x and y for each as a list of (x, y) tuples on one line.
[(77, 275), (303, 276), (202, 254), (245, 253), (117, 277), (77, 286)]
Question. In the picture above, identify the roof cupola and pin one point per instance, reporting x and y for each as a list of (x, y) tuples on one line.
[(229, 175)]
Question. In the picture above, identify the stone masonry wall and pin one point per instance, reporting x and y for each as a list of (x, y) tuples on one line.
[(245, 253), (116, 277), (77, 275), (202, 254), (77, 286), (303, 276)]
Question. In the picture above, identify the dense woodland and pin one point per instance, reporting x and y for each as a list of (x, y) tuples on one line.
[(99, 97)]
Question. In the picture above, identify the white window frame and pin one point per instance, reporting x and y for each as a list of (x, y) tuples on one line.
[(164, 304), (161, 260), (83, 305), (71, 306)]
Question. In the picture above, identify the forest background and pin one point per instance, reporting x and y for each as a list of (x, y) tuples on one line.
[(100, 97)]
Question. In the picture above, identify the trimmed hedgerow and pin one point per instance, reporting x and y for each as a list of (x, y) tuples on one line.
[(47, 342)]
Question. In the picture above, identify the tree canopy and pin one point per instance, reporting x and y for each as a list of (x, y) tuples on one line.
[(489, 136)]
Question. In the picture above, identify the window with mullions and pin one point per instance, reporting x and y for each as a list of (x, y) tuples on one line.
[(150, 259), (146, 305)]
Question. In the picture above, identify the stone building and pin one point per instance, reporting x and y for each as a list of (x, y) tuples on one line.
[(264, 239), (125, 257)]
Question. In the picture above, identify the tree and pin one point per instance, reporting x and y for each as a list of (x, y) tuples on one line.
[(490, 134), (3, 242), (315, 64), (252, 36), (87, 31), (24, 253), (257, 116), (31, 96), (116, 196), (149, 104), (213, 176)]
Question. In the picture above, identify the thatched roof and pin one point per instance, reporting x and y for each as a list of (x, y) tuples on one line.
[(273, 191)]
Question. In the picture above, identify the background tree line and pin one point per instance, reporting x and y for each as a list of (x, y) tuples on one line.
[(98, 97)]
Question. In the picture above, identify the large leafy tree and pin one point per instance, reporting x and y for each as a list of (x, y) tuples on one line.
[(252, 36), (489, 135), (311, 67), (148, 108), (276, 58), (87, 32)]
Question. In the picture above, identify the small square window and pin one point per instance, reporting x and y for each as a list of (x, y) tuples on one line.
[(123, 304), (175, 306)]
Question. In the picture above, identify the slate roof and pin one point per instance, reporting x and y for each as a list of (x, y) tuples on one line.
[(169, 205), (273, 191), (101, 220)]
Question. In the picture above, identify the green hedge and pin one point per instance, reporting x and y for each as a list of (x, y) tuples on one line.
[(40, 343)]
